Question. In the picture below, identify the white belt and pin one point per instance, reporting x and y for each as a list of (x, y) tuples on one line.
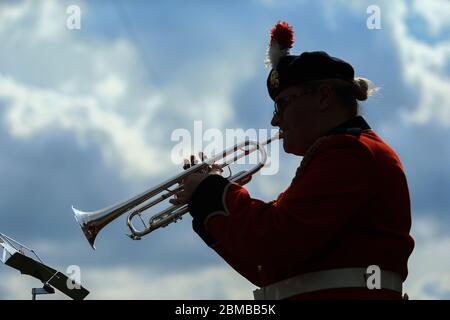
[(327, 279)]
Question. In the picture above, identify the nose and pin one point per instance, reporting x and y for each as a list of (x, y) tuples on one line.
[(276, 121)]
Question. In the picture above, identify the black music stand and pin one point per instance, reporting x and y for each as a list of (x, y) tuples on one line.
[(15, 256)]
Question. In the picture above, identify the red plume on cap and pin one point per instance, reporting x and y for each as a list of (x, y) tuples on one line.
[(281, 40)]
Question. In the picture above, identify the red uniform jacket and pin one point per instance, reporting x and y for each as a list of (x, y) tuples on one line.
[(349, 207)]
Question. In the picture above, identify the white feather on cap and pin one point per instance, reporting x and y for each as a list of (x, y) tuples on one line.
[(281, 40)]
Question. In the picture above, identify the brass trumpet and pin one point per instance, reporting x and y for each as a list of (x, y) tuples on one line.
[(92, 222)]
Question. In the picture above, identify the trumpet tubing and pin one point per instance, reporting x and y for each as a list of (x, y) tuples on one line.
[(92, 222)]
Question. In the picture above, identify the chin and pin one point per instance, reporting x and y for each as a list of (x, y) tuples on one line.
[(290, 149), (287, 147)]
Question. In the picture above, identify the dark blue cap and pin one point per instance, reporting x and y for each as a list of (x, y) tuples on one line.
[(309, 66)]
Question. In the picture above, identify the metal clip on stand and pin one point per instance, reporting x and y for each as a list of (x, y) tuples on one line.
[(46, 289)]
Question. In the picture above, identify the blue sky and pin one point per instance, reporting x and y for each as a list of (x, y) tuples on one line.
[(86, 118)]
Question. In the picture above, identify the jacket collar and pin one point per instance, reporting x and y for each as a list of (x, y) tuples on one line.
[(352, 126)]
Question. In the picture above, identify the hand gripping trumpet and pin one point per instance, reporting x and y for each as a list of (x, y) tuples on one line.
[(92, 222)]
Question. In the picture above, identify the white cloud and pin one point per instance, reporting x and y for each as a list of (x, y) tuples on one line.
[(207, 283), (61, 81), (424, 65), (32, 110), (143, 283), (429, 265), (10, 13), (436, 13), (49, 22), (111, 88)]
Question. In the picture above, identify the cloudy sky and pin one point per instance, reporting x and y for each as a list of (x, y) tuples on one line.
[(86, 118)]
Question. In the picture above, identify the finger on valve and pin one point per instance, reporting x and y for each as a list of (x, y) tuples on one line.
[(186, 164), (193, 160), (216, 168)]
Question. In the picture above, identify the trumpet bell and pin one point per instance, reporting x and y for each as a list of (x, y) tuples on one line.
[(89, 230)]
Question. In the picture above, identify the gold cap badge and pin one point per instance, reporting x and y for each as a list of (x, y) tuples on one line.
[(274, 81)]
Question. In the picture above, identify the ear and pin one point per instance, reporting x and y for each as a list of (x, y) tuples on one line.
[(325, 96)]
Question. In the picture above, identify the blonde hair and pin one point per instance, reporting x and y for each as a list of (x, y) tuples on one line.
[(363, 88)]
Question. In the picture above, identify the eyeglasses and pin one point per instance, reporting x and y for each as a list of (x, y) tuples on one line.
[(281, 103)]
